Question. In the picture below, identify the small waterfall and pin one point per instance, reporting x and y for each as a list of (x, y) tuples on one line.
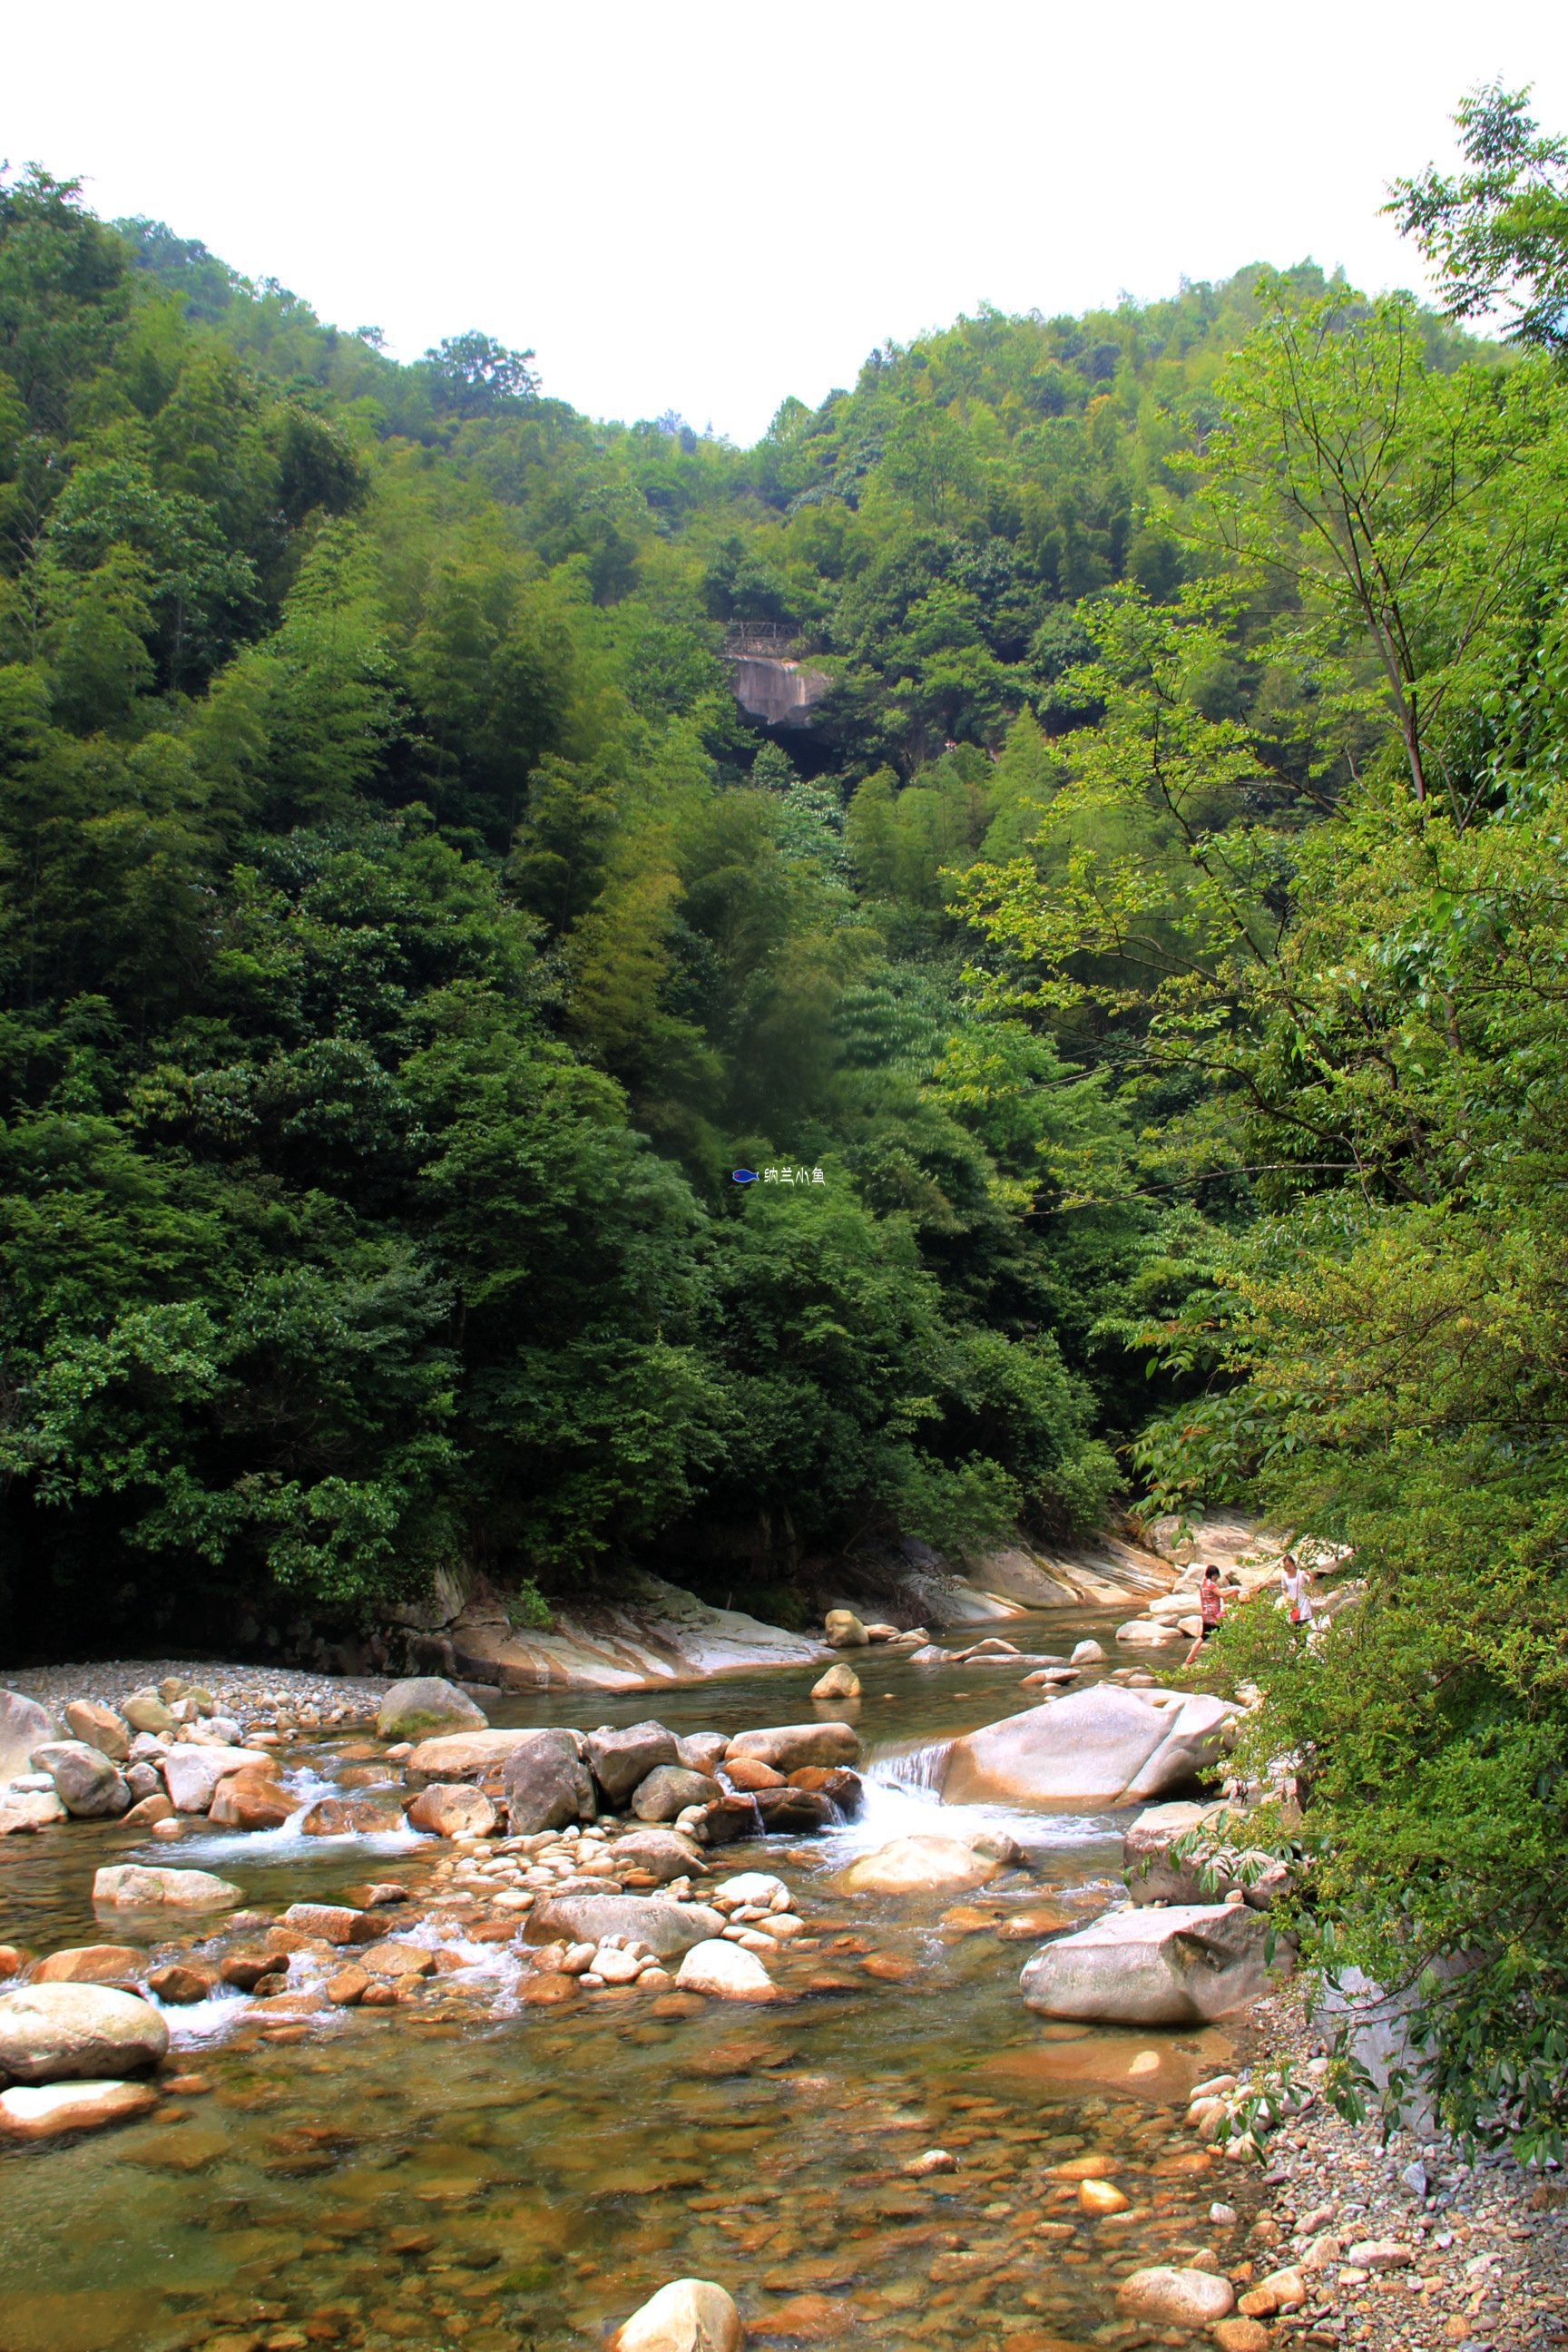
[(918, 1768)]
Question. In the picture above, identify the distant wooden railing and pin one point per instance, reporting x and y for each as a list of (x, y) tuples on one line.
[(763, 641)]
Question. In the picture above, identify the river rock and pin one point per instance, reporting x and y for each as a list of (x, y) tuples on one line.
[(835, 1781), (451, 1809), (701, 1751), (838, 1682), (922, 1865), (688, 2315), (844, 1631), (664, 1854), (87, 1784), (100, 1727), (1175, 2298), (748, 1773), (145, 1711), (547, 1784), (350, 1816), (183, 1982), (102, 1964), (789, 1746), (1149, 1633), (1183, 1965), (40, 2110), (1105, 1746), (193, 1773), (55, 2032), (1153, 1877), (731, 1819), (128, 1887), (793, 1812), (620, 1760), (25, 1810), (24, 1725), (668, 1790), (416, 1708), (726, 1970), (661, 1926), (250, 1800), (1087, 1653), (335, 1923)]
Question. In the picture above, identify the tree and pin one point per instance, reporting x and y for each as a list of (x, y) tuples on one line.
[(1497, 235)]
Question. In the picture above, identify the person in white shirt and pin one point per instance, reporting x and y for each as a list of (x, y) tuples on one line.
[(1296, 1598)]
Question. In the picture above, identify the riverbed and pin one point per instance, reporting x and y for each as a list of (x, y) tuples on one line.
[(467, 2170)]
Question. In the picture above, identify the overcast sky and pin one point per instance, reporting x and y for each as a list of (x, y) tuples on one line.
[(708, 206)]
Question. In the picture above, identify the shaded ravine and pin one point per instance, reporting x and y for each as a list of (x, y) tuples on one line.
[(464, 2170)]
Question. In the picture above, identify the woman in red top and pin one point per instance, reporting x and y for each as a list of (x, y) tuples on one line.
[(1211, 1608)]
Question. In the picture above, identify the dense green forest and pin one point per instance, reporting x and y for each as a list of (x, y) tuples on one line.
[(1158, 946)]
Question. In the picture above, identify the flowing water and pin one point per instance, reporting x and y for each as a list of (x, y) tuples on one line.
[(465, 2170)]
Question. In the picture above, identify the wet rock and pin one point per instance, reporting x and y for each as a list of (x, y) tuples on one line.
[(549, 1989), (1242, 2335), (731, 1819), (143, 1780), (793, 1812), (245, 1970), (1099, 2198), (788, 1746), (414, 1709), (882, 1633), (334, 1923), (620, 1760), (546, 1784), (131, 1886), (663, 1852), (727, 1971), (668, 1790), (102, 1963), (25, 1810), (1175, 2298), (1185, 1964), (841, 1787), (1087, 1653), (250, 1800), (99, 1727), (1280, 2291), (193, 1773), (1104, 1746), (688, 2315), (931, 2160), (917, 1866), (1035, 1923), (844, 1631), (350, 1816), (24, 1725), (1152, 1876), (12, 1961), (145, 1711), (838, 1682), (701, 1751), (55, 2032), (183, 1982), (348, 1987), (42, 2110), (1149, 1633), (87, 1784), (660, 1926), (748, 1774), (451, 1809), (399, 1960)]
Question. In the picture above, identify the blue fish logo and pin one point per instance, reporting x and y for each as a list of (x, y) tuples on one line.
[(744, 1175)]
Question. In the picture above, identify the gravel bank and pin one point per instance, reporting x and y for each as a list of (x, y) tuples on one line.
[(1475, 2257), (234, 1688)]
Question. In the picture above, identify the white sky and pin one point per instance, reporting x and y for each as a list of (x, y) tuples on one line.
[(711, 206)]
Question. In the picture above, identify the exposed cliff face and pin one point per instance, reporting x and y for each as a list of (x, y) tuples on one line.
[(779, 693)]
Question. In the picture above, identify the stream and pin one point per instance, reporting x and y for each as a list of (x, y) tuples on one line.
[(467, 2170)]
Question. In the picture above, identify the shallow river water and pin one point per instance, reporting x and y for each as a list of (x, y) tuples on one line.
[(467, 2170)]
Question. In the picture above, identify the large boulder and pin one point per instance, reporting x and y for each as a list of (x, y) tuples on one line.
[(620, 1759), (664, 1853), (838, 1682), (145, 1711), (192, 1774), (917, 1866), (451, 1810), (40, 2110), (1226, 1863), (100, 1964), (1105, 1746), (792, 1812), (24, 1725), (59, 2033), (350, 1816), (547, 1784), (668, 1790), (477, 1756), (844, 1631), (789, 1746), (1149, 1633), (100, 1727), (1172, 2298), (701, 1751), (129, 1887), (29, 1809), (87, 1784), (687, 2316), (251, 1800), (1185, 1964), (424, 1704), (665, 1927)]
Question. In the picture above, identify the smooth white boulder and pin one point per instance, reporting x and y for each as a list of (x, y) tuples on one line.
[(39, 2110), (752, 1886), (426, 1704), (1175, 2298), (1105, 1746), (922, 1864), (129, 1886), (792, 1747), (192, 1773), (24, 1725), (53, 2032), (1184, 1964), (1148, 1634), (727, 1970), (687, 2316)]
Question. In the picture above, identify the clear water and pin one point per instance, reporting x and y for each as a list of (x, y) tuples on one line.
[(465, 2170)]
